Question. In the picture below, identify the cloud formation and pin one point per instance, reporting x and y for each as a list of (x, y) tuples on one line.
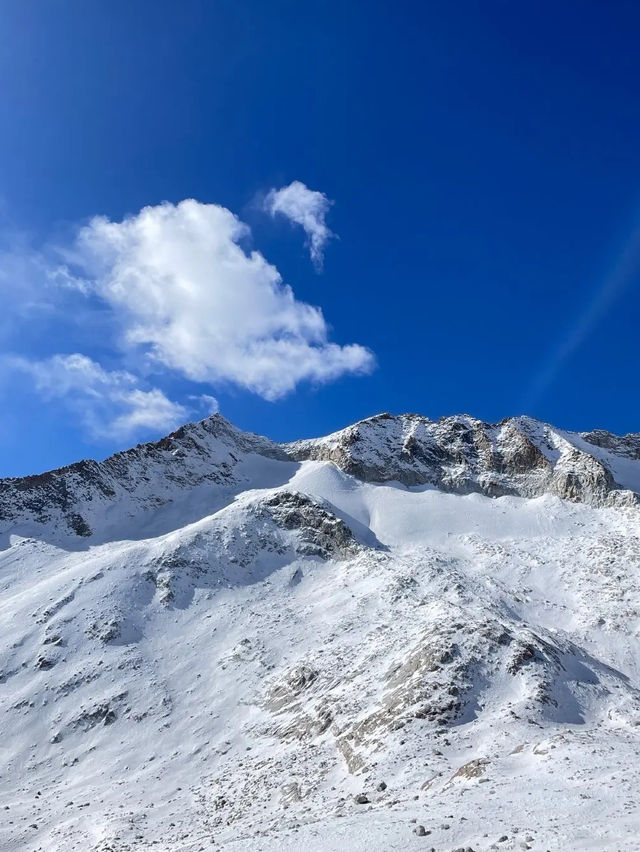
[(110, 403), (175, 293), (187, 295), (304, 207)]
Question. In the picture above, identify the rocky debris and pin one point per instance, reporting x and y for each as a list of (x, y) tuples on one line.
[(420, 830), (104, 713), (291, 793), (52, 609), (289, 698), (433, 682), (430, 682), (304, 725), (294, 682), (106, 631), (361, 799), (622, 498), (353, 759), (163, 574)]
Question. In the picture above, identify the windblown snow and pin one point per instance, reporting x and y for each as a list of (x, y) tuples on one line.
[(409, 634)]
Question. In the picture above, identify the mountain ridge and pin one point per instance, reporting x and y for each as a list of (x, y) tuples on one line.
[(517, 456)]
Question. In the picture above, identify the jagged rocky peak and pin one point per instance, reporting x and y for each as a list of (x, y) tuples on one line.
[(626, 445), (150, 475), (518, 456)]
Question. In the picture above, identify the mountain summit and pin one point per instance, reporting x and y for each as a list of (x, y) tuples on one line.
[(407, 632)]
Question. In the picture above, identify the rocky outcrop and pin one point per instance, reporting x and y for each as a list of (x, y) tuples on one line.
[(627, 445), (579, 477), (461, 454), (320, 532)]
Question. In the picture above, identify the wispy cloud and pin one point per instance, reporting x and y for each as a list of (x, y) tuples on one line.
[(205, 402), (625, 266), (307, 208), (110, 404)]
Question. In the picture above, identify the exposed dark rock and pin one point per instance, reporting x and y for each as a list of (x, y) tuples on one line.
[(78, 524), (321, 532), (627, 445), (523, 653)]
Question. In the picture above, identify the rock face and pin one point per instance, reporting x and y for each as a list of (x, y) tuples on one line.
[(519, 456), (78, 498), (321, 533), (628, 446)]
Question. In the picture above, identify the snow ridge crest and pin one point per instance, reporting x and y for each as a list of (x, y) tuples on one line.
[(519, 456)]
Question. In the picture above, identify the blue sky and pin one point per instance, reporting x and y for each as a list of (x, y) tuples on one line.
[(484, 257)]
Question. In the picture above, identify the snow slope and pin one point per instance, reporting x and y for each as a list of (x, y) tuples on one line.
[(216, 642)]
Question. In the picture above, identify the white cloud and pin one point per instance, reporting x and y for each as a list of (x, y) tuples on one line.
[(188, 295), (109, 403), (307, 208), (147, 410), (178, 289), (207, 403)]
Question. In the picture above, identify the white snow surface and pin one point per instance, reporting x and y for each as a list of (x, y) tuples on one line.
[(228, 661)]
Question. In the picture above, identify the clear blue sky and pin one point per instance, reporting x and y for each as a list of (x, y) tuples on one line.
[(484, 163)]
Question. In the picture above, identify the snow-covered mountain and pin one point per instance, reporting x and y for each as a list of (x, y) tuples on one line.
[(410, 633)]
